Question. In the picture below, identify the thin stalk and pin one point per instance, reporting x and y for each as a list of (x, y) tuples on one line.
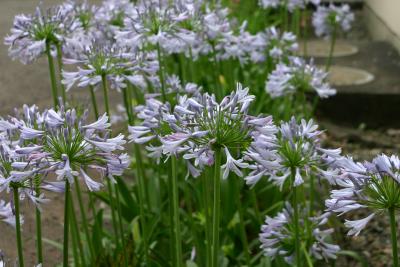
[(161, 73), (216, 208), (332, 48), (75, 232), (105, 92), (84, 218), (60, 68), (242, 225), (256, 207), (142, 209), (38, 222), (393, 228), (312, 196), (296, 224), (52, 75), (305, 33), (109, 184), (307, 255), (191, 66), (94, 102), (18, 227), (175, 213), (66, 224), (217, 89), (113, 216), (171, 217), (121, 228), (75, 247), (206, 200), (284, 16), (139, 174)]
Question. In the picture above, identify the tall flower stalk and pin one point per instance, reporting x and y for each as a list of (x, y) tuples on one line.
[(18, 227), (328, 21), (215, 247)]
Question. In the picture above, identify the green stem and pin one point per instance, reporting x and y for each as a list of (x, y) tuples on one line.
[(52, 75), (18, 227), (109, 184), (105, 92), (332, 48), (84, 218), (38, 222), (75, 233), (66, 224), (217, 89), (216, 208), (256, 207), (175, 213), (75, 247), (161, 72), (206, 200), (296, 224), (139, 174), (242, 225), (305, 33), (112, 207), (307, 256), (121, 228), (60, 68), (312, 194), (393, 228), (94, 102)]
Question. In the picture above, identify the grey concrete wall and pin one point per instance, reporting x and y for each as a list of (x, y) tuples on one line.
[(383, 20)]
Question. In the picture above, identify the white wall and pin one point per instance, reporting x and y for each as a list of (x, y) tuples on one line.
[(383, 20)]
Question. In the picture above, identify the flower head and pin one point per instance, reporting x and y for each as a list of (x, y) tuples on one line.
[(197, 126), (278, 236), (289, 153), (369, 185), (326, 20), (298, 76), (118, 65), (32, 35)]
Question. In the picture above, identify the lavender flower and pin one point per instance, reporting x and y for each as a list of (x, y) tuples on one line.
[(368, 185), (326, 20), (156, 24), (32, 35), (297, 76), (197, 126), (66, 146), (280, 45), (291, 5), (290, 153), (277, 236), (118, 65)]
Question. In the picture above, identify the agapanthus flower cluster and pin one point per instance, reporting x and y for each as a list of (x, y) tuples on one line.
[(157, 24), (60, 143), (326, 20), (290, 154), (33, 35), (198, 126), (298, 77), (371, 186), (280, 45), (277, 236), (115, 64), (291, 5)]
